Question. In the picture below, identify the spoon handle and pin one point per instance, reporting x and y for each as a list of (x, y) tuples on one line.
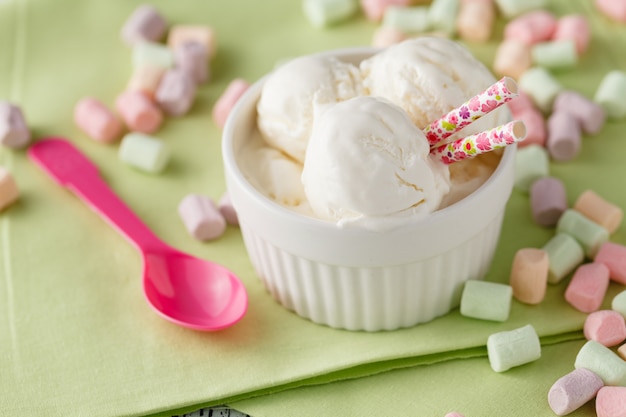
[(71, 169)]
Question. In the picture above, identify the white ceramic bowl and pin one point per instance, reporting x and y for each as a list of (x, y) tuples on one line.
[(357, 279)]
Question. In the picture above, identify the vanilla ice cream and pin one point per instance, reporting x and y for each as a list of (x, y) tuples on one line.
[(368, 164), (285, 110)]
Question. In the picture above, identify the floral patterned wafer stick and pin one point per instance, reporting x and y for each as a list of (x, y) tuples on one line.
[(476, 107), (480, 143)]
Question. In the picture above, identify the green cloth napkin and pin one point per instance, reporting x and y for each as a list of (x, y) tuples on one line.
[(77, 337)]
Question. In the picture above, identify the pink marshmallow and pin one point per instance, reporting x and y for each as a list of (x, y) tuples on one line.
[(225, 206), (606, 327), (14, 132), (548, 201), (139, 112), (573, 390), (176, 92), (613, 255), (228, 99), (589, 114), (454, 414), (97, 121), (611, 402), (564, 136), (532, 27), (535, 128), (573, 27), (588, 286), (615, 9), (521, 104), (192, 58), (201, 217), (375, 9), (145, 24)]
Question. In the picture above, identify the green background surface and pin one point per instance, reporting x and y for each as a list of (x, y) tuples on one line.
[(76, 336)]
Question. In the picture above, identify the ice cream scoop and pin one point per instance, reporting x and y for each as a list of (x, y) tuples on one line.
[(367, 163), (285, 109)]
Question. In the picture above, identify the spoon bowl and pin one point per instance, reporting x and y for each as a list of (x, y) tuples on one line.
[(189, 291)]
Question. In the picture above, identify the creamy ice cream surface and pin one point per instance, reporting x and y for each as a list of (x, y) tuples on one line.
[(367, 164), (285, 110)]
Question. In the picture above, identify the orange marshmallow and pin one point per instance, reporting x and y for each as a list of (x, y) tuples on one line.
[(8, 189), (97, 121), (596, 208), (606, 327), (613, 255), (146, 80), (529, 275), (228, 99), (588, 286), (513, 58), (611, 402), (573, 27), (532, 27), (139, 112), (204, 35), (621, 351), (475, 20), (386, 36)]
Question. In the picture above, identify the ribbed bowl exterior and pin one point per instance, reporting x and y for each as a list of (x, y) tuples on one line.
[(372, 298)]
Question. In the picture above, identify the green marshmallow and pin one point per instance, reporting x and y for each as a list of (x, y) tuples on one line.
[(407, 19), (322, 13), (541, 86), (531, 163), (149, 54), (564, 255), (486, 300), (513, 348), (588, 233), (144, 152), (611, 94), (512, 8), (555, 54), (603, 362), (440, 15), (619, 303)]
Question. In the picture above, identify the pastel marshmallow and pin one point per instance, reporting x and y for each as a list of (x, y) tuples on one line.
[(442, 16), (564, 136), (536, 132), (201, 217), (513, 348), (322, 13), (573, 27), (564, 254), (512, 8), (144, 152), (598, 209), (572, 391), (611, 401), (548, 201), (486, 300), (228, 99), (602, 361), (145, 24), (613, 255), (513, 58), (532, 27), (529, 275), (621, 351), (14, 132), (475, 20), (590, 115), (139, 112), (619, 303), (606, 327), (611, 94), (191, 57), (587, 289), (454, 414), (225, 206), (614, 9), (520, 105), (151, 54), (375, 9), (407, 19), (204, 35), (9, 193), (541, 86), (146, 80), (176, 93), (97, 121), (386, 36), (531, 163), (588, 233), (560, 54)]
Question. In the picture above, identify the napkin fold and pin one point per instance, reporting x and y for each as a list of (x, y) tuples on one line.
[(76, 335)]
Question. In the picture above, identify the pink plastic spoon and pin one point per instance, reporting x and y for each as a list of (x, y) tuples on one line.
[(188, 291)]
